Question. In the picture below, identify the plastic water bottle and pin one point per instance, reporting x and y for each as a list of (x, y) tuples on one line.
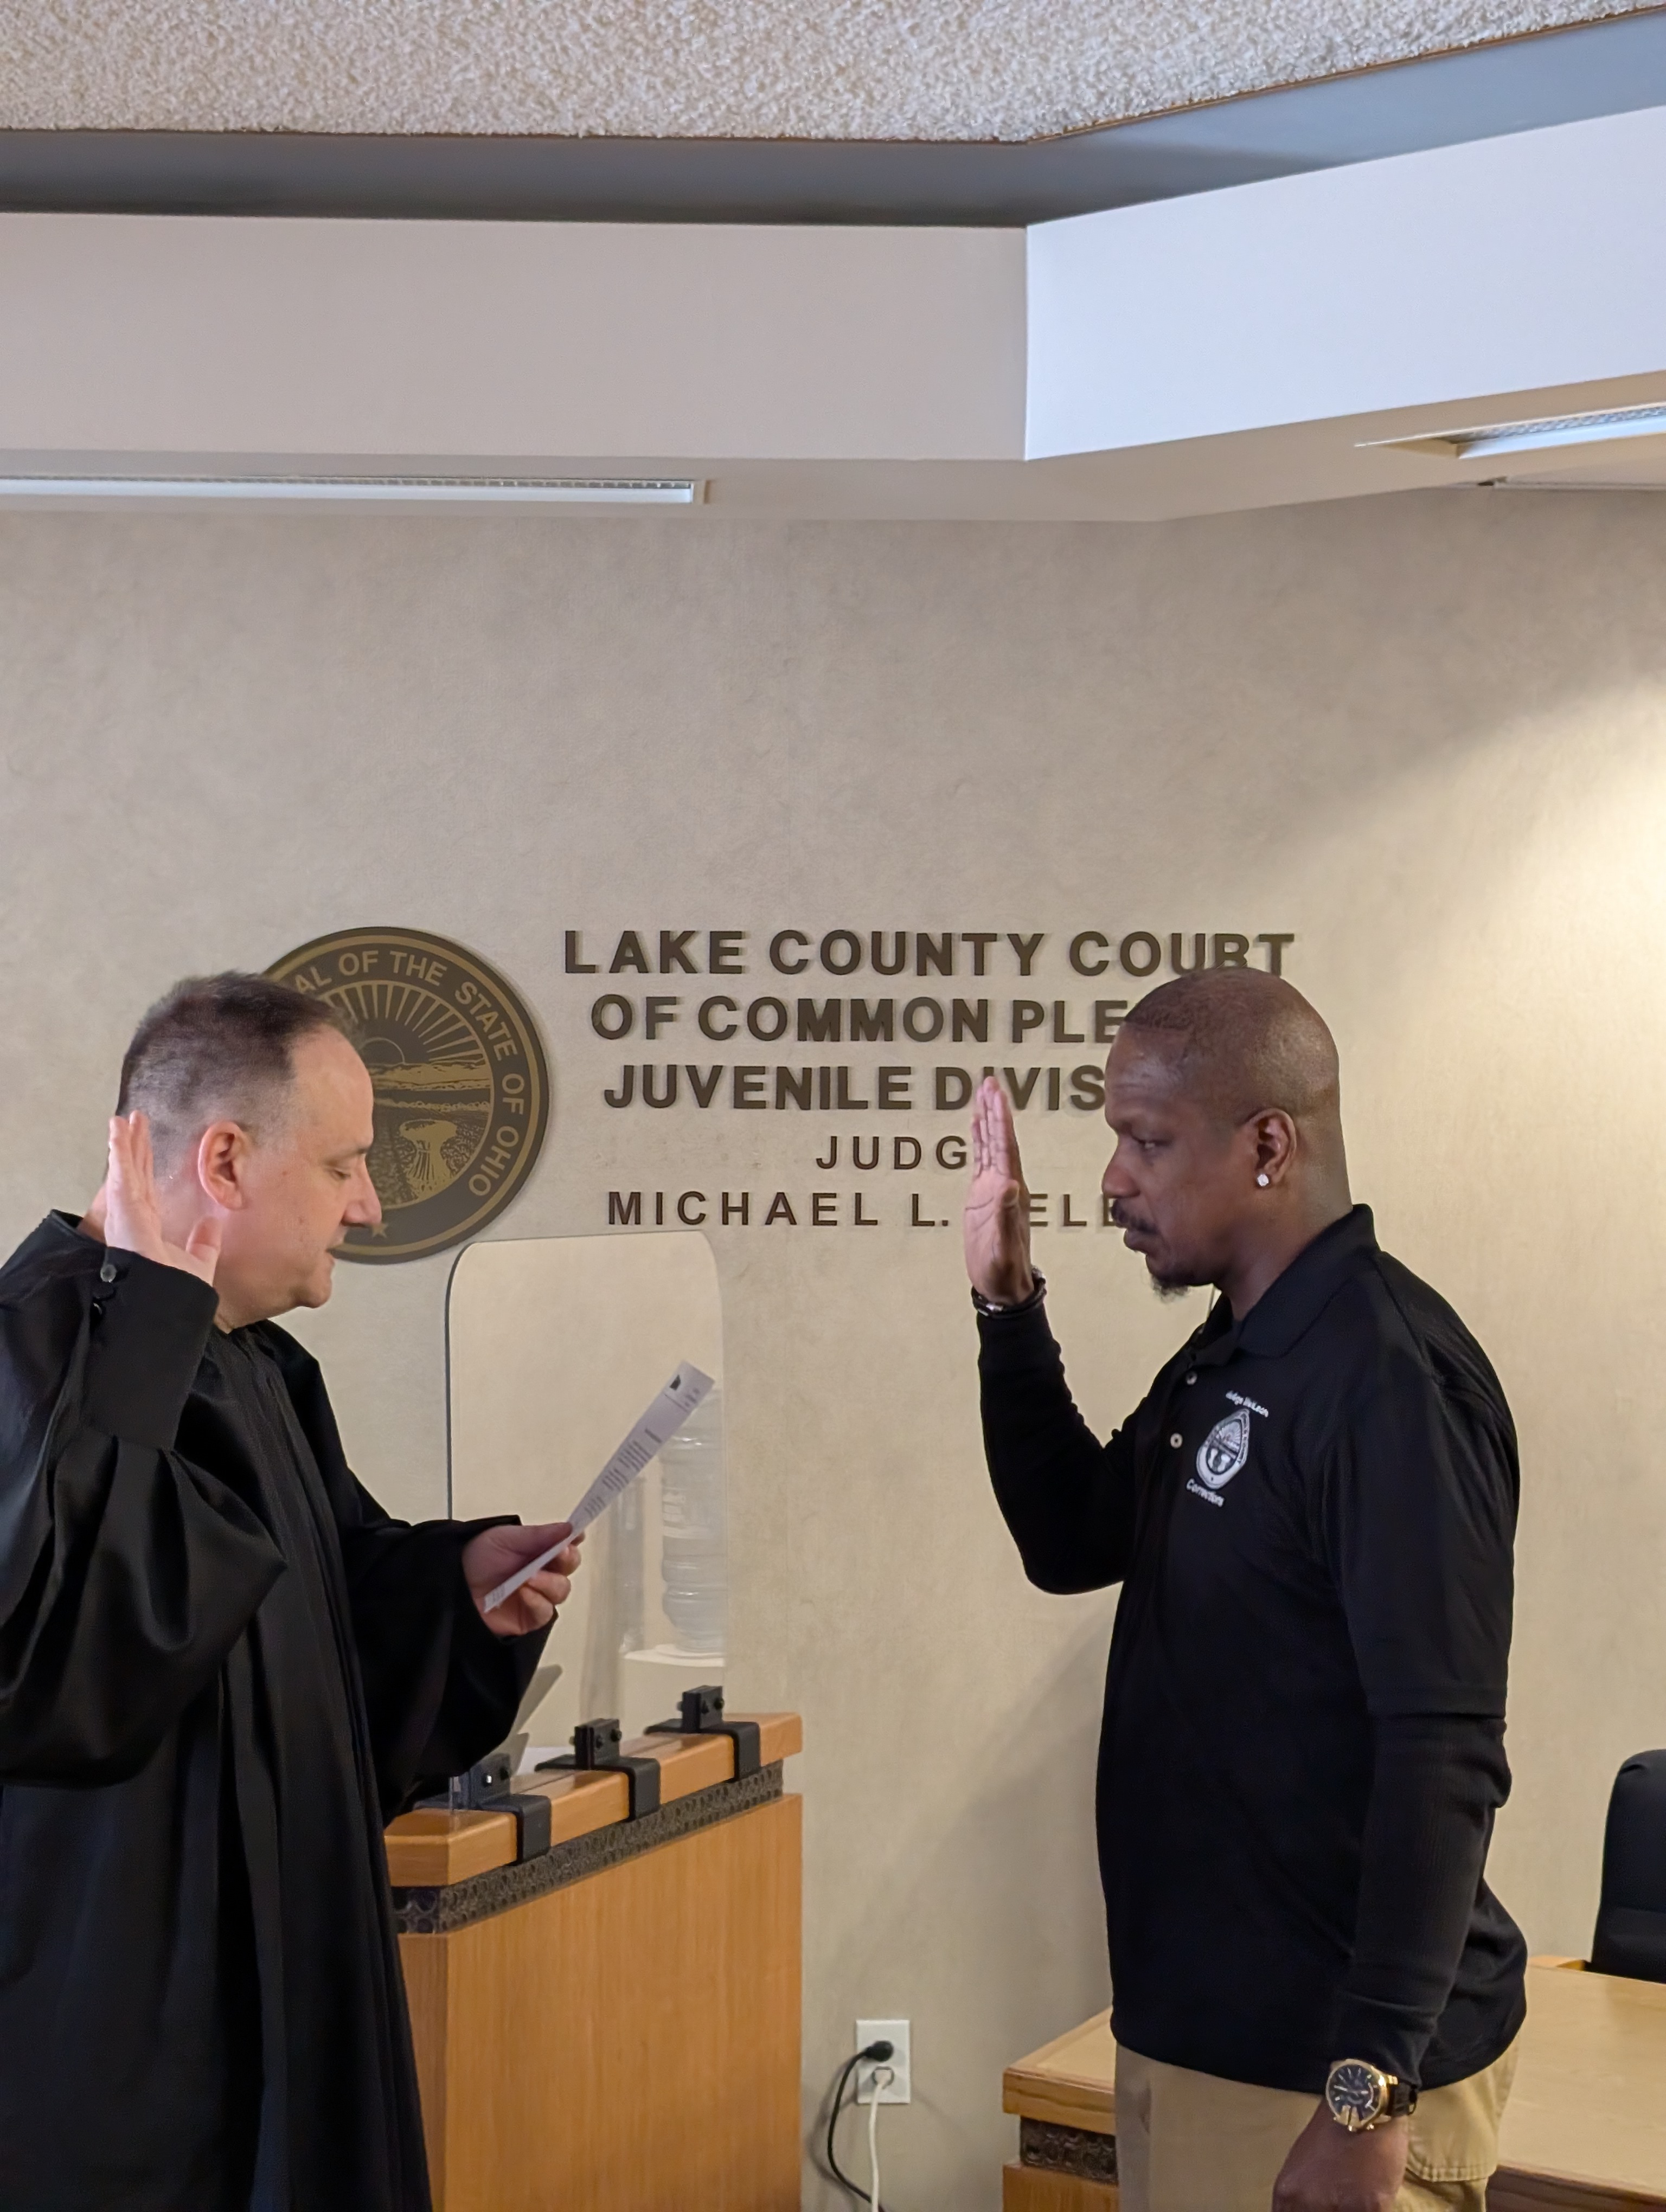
[(694, 1554)]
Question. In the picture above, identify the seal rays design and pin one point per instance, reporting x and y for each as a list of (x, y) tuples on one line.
[(433, 1080), (460, 1084)]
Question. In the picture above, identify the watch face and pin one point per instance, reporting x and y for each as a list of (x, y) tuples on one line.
[(1355, 2092)]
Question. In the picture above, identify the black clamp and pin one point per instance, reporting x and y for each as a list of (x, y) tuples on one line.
[(486, 1789), (701, 1714), (596, 1751)]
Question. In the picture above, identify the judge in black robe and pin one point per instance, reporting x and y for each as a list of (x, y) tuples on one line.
[(222, 1668)]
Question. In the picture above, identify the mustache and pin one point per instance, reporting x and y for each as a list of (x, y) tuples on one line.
[(1122, 1218)]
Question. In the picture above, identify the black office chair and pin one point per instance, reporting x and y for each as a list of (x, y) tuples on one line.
[(1631, 1920)]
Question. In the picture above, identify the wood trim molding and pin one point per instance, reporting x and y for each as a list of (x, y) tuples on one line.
[(1037, 2088)]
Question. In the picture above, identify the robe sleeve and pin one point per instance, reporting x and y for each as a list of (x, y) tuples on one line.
[(440, 1689), (126, 1573)]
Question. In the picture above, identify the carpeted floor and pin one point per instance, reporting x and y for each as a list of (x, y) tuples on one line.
[(813, 68)]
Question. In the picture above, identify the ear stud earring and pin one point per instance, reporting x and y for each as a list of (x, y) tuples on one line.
[(1263, 1181)]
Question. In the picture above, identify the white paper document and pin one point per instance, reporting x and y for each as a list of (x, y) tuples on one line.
[(661, 1421)]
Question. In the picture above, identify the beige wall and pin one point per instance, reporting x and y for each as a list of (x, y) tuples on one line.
[(1428, 735)]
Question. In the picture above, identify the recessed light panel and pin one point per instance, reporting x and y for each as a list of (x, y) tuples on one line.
[(1480, 442), (428, 491)]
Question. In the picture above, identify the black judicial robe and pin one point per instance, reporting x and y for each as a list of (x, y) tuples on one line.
[(222, 1667)]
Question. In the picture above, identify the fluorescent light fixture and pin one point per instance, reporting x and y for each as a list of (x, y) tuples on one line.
[(1480, 442), (1565, 484), (464, 491)]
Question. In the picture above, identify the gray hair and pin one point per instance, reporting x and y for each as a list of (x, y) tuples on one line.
[(218, 1046)]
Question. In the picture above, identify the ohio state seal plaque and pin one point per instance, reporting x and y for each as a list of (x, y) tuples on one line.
[(461, 1082)]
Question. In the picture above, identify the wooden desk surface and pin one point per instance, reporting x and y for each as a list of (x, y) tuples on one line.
[(1069, 2082), (1586, 2121), (432, 1849), (1588, 2106)]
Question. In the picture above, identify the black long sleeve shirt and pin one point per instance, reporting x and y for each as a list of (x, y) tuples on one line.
[(1312, 1515)]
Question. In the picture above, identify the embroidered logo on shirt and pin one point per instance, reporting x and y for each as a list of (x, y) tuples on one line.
[(1237, 1399), (1222, 1453)]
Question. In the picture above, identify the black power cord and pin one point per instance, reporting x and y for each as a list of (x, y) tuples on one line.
[(877, 2054)]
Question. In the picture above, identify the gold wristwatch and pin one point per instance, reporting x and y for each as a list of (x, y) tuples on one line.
[(1359, 2095)]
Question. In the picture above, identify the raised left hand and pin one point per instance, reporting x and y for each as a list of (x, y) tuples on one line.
[(1328, 2170), (495, 1554), (127, 1212)]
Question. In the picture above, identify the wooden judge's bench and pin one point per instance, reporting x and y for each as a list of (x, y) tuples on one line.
[(606, 2011), (1584, 2129)]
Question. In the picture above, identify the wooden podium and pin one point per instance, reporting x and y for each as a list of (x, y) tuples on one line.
[(612, 2024)]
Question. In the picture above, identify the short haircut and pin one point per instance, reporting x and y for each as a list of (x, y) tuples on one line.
[(1244, 1042), (218, 1047)]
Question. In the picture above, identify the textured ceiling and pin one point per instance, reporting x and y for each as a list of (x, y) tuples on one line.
[(746, 69)]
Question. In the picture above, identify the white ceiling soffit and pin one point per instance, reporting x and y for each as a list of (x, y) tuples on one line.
[(1314, 337), (1513, 264), (729, 69)]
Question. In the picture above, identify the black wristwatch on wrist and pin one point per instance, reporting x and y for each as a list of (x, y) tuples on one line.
[(1358, 2095)]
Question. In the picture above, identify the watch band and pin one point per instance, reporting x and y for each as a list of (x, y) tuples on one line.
[(992, 1310)]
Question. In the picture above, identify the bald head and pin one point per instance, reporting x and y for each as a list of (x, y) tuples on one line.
[(1223, 1090), (1241, 1041)]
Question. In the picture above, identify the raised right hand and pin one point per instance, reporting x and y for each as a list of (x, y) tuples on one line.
[(996, 1222), (127, 1213), (496, 1553)]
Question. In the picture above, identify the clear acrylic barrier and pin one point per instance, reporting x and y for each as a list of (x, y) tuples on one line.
[(554, 1346)]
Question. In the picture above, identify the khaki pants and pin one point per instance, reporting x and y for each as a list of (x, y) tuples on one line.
[(1191, 2142)]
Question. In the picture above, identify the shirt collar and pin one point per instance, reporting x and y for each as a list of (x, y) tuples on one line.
[(1293, 1301)]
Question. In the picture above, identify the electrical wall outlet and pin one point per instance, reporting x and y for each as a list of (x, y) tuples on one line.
[(899, 2090)]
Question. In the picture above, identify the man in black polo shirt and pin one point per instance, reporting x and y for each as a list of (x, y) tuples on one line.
[(1312, 1516)]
